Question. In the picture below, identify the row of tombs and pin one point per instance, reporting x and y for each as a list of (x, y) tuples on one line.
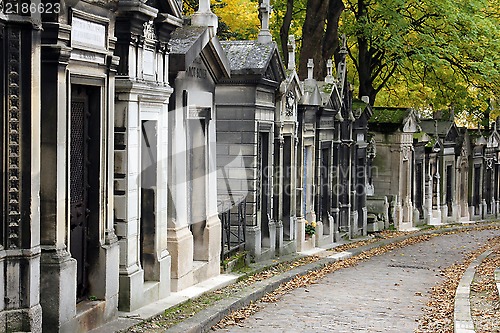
[(138, 150)]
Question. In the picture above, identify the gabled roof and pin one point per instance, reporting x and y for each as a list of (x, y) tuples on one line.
[(254, 59), (248, 56), (462, 142), (477, 137), (389, 119), (291, 80), (189, 42), (434, 144), (359, 107), (443, 127), (311, 95), (421, 137), (388, 115), (170, 11)]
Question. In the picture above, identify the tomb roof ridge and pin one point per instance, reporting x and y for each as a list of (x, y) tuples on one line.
[(389, 115), (185, 37), (249, 56)]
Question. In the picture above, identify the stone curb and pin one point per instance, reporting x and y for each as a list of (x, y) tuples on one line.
[(462, 318), (205, 319)]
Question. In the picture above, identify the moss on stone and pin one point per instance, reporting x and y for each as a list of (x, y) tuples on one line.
[(388, 115)]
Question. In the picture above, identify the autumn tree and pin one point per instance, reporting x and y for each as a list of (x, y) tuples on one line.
[(238, 19), (318, 38), (450, 47)]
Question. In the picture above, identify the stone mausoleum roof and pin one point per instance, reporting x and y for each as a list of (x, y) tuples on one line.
[(184, 38), (248, 57), (388, 115), (443, 126)]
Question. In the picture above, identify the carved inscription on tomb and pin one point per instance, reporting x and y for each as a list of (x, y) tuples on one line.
[(87, 33), (148, 62), (197, 73)]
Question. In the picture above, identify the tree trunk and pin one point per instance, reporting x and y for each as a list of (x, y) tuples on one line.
[(312, 37), (331, 43), (365, 60), (320, 38), (365, 71), (285, 30)]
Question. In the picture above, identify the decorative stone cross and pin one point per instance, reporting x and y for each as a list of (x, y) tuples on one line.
[(310, 68), (291, 52), (329, 71), (264, 36), (205, 18)]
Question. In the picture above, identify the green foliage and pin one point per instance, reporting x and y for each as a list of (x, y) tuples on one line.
[(299, 14), (310, 228), (427, 54), (238, 19), (388, 116)]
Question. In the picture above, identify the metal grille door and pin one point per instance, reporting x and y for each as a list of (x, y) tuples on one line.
[(79, 211)]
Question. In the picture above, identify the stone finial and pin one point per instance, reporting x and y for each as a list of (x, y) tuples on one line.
[(343, 47), (329, 65), (205, 18), (310, 68), (204, 6), (291, 52), (329, 71), (341, 67), (264, 36)]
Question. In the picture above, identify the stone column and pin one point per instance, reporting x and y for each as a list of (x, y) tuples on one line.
[(212, 233), (134, 30), (20, 309), (58, 269), (180, 240)]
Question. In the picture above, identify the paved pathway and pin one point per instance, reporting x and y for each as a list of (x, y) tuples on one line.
[(384, 294)]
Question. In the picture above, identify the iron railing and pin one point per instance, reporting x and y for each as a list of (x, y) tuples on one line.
[(232, 214)]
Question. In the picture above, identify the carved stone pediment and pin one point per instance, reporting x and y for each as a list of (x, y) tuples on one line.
[(410, 124)]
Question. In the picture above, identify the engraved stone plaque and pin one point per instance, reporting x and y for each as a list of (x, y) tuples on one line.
[(87, 33)]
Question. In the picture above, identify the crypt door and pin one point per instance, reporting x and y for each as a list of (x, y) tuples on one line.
[(325, 189), (81, 159), (264, 188)]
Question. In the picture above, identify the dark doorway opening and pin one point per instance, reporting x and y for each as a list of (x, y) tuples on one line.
[(149, 158), (264, 187), (449, 189), (84, 178), (477, 183), (419, 193), (325, 189), (287, 188)]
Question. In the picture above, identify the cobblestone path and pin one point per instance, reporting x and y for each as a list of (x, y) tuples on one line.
[(384, 294)]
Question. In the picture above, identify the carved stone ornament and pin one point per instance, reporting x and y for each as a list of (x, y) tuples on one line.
[(489, 163), (406, 153), (371, 149), (13, 139), (149, 30), (289, 103)]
